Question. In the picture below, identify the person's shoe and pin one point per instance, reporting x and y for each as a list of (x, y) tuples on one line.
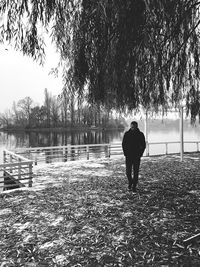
[(134, 190)]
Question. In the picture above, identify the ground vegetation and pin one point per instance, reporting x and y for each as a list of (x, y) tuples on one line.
[(83, 215)]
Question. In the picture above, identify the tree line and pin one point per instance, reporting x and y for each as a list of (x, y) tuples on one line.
[(64, 111)]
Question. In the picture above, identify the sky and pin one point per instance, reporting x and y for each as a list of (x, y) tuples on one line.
[(20, 76)]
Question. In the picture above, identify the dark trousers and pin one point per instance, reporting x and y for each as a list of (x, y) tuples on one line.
[(132, 165)]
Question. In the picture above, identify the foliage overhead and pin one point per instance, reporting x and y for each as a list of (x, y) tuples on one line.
[(130, 53)]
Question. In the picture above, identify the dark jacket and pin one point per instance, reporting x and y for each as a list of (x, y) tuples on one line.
[(133, 144)]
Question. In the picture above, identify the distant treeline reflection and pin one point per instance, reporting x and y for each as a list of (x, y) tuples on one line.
[(44, 139)]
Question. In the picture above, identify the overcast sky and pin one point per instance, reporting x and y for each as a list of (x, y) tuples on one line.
[(20, 76)]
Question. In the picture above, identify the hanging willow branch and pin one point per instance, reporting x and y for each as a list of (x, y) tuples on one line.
[(127, 53)]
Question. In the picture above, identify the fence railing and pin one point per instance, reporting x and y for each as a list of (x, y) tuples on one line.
[(65, 153), (16, 171), (76, 152), (161, 148)]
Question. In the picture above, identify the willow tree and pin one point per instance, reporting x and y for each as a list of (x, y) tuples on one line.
[(127, 54)]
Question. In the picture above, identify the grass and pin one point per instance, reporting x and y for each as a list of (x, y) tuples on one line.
[(95, 221)]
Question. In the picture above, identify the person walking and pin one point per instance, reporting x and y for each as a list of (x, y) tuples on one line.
[(133, 145)]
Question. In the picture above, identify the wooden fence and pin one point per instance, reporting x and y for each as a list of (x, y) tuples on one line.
[(16, 171)]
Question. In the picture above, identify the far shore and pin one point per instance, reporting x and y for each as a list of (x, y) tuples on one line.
[(63, 129)]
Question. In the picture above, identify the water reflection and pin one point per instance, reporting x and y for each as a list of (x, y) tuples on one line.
[(44, 139)]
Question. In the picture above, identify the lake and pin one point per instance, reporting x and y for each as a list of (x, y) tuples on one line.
[(159, 131)]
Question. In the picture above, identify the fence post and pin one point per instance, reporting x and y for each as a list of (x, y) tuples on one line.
[(4, 156), (35, 160), (147, 149), (11, 162), (4, 168), (109, 150), (19, 170), (66, 154), (181, 134), (30, 182), (63, 152), (87, 152), (166, 152)]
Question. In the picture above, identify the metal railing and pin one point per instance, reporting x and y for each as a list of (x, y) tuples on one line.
[(16, 171), (76, 152)]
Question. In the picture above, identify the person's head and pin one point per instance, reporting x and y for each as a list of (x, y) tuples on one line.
[(134, 125)]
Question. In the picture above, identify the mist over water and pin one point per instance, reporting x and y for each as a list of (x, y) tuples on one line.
[(168, 130)]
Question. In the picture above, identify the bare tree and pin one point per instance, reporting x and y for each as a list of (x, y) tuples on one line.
[(25, 106), (6, 119), (55, 116), (47, 105), (64, 106)]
